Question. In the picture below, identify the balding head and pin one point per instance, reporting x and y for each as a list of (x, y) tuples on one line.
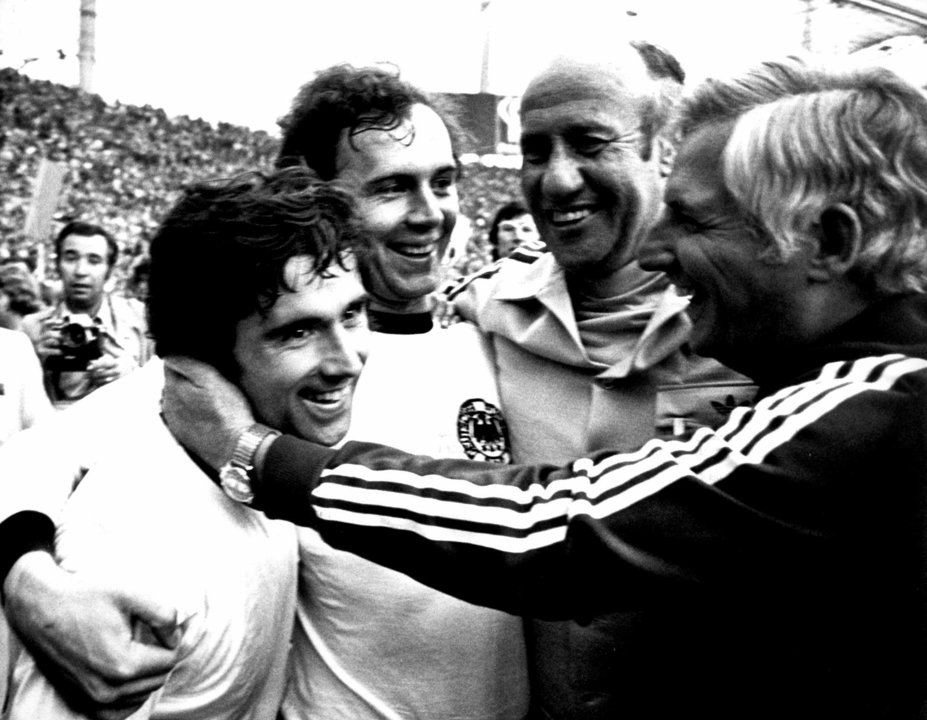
[(640, 71), (594, 157)]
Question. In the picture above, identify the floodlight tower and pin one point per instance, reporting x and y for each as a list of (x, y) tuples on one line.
[(86, 46)]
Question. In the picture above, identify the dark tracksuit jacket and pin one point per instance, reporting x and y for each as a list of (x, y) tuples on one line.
[(772, 568)]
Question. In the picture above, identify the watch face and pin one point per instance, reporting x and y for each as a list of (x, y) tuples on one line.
[(236, 484)]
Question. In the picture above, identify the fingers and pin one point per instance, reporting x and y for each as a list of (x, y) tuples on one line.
[(444, 312), (115, 694), (49, 344), (81, 632), (185, 368), (112, 702), (155, 624)]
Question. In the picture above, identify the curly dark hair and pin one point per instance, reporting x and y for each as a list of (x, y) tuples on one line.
[(346, 98), (221, 252)]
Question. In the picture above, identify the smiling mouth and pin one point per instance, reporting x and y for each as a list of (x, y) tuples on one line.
[(565, 218), (414, 252), (325, 397)]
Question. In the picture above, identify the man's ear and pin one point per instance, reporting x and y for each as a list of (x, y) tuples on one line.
[(838, 243), (666, 155)]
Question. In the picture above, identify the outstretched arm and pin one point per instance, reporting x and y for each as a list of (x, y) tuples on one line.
[(671, 519)]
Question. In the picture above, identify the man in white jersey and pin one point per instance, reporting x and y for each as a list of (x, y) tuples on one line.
[(402, 649), (370, 643), (294, 338)]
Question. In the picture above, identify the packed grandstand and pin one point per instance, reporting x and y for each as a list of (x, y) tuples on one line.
[(124, 166)]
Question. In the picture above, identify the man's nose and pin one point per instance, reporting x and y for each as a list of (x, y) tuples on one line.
[(562, 175), (426, 207), (81, 267), (344, 353)]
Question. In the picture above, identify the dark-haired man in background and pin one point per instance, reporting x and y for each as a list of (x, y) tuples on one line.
[(91, 337)]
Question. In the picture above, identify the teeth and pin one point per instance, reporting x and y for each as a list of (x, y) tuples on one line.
[(414, 250), (331, 396), (569, 216)]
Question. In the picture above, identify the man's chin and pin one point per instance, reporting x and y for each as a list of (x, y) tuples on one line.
[(329, 435)]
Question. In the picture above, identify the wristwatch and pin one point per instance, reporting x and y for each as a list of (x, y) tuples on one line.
[(235, 476)]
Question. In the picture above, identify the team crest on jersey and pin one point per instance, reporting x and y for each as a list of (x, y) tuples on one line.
[(482, 432)]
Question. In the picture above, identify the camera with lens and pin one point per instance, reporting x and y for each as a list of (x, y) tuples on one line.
[(80, 341)]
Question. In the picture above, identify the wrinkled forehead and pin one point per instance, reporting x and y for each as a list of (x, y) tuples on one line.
[(572, 78)]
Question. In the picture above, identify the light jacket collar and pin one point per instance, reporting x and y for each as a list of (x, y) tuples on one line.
[(554, 334)]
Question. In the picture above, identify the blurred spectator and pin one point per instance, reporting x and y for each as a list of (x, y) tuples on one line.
[(137, 284), (512, 227), (51, 290), (8, 319), (91, 337), (21, 286)]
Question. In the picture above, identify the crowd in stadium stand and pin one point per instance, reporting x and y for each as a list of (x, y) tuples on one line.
[(125, 165)]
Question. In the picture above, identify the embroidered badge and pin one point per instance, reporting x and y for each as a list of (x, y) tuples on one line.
[(482, 432)]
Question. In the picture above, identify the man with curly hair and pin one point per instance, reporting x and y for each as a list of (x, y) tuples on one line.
[(294, 338), (425, 389)]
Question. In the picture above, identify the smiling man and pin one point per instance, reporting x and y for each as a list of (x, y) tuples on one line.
[(774, 567), (583, 332), (425, 389), (91, 337), (590, 348), (370, 642), (415, 158), (293, 336)]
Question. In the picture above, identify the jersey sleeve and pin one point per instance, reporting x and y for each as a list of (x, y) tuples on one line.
[(765, 497)]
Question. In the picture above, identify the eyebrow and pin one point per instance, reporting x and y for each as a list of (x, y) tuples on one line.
[(409, 174), (72, 251), (311, 321)]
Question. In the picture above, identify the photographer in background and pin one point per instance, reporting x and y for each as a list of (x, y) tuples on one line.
[(91, 337)]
